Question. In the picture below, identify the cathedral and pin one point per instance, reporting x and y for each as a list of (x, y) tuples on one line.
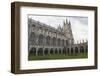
[(44, 39)]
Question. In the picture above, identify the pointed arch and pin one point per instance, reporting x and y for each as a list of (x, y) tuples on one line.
[(32, 51), (81, 49), (76, 49)]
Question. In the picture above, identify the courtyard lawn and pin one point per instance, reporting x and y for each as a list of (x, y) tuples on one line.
[(58, 56)]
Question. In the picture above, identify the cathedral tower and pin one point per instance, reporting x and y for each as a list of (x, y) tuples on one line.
[(68, 31)]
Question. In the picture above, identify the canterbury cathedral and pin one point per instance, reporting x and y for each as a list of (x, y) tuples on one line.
[(44, 39)]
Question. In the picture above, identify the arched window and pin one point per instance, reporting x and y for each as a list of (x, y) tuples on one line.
[(32, 38), (62, 42), (59, 42), (33, 25), (40, 39), (54, 41), (48, 40), (66, 42)]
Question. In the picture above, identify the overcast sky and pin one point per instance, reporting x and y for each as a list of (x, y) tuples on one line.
[(79, 25)]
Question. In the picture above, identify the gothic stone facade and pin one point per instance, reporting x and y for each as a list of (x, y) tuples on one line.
[(44, 39)]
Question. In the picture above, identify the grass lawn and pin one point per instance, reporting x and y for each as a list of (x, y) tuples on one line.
[(58, 56)]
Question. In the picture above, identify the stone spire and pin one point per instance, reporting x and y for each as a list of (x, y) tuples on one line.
[(69, 23), (83, 41), (66, 21), (59, 27)]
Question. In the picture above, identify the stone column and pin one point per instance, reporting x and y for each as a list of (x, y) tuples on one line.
[(43, 51), (69, 50), (73, 50), (36, 51)]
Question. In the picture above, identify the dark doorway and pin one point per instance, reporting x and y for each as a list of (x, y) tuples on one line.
[(48, 40), (40, 40)]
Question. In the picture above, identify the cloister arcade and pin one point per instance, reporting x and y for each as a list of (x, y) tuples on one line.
[(50, 51), (46, 45)]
